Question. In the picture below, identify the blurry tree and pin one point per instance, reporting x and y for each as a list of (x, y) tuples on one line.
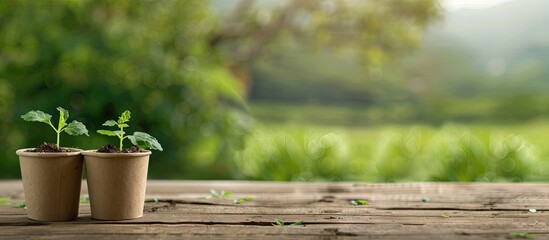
[(98, 58), (373, 32)]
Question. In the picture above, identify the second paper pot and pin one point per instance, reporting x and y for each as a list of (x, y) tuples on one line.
[(116, 184)]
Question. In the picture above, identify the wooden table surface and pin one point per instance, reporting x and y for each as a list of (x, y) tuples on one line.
[(395, 211)]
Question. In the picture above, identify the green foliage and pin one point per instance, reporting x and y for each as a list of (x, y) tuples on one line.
[(294, 155), (74, 128), (141, 139), (102, 57), (398, 153)]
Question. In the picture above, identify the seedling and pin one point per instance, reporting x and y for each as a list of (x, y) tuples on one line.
[(242, 200), (359, 202), (85, 199), (140, 139), (20, 205), (522, 235), (74, 128), (280, 223), (222, 194)]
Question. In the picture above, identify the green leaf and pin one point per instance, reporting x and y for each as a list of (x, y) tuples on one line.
[(63, 112), (248, 198), (144, 139), (63, 117), (214, 193), (119, 133), (76, 128), (110, 123), (37, 116), (85, 199), (359, 202), (242, 200), (298, 223), (134, 142), (222, 194), (123, 125), (278, 223), (226, 194), (106, 132), (126, 115), (20, 205), (522, 235)]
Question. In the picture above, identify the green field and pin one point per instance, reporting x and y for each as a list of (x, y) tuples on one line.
[(296, 148)]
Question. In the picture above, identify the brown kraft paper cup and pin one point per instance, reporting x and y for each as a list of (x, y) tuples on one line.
[(51, 182), (116, 184)]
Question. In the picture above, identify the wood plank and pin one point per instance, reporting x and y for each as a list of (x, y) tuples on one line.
[(396, 211)]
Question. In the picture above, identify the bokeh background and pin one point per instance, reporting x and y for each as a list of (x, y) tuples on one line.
[(289, 90)]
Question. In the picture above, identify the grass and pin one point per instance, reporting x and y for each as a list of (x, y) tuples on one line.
[(394, 153)]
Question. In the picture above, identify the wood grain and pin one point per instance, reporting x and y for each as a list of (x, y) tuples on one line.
[(395, 211)]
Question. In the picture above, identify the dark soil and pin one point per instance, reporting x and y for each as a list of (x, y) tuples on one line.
[(50, 147), (112, 149)]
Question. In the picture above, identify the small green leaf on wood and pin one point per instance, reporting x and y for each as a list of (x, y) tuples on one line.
[(221, 194), (522, 235), (85, 199), (359, 202), (20, 205), (242, 200), (278, 223), (298, 223)]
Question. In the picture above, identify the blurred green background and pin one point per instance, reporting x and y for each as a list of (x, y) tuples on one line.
[(289, 90)]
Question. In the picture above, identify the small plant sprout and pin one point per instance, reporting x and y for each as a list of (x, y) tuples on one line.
[(74, 128), (280, 223), (522, 235), (359, 202), (221, 194), (140, 139), (242, 200)]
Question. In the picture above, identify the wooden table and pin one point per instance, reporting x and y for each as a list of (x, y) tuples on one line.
[(395, 211)]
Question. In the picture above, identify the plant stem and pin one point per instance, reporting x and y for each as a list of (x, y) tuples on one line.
[(57, 131), (121, 136)]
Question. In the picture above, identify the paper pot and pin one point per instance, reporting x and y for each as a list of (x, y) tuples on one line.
[(51, 182), (116, 184)]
